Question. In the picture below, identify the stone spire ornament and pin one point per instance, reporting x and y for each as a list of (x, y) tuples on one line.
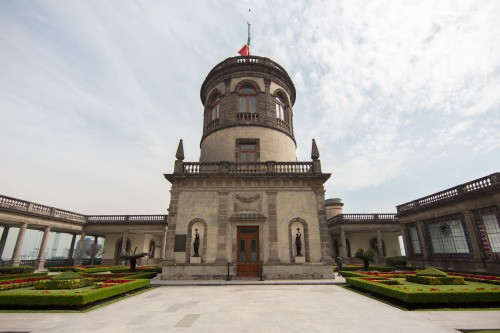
[(314, 151), (180, 152)]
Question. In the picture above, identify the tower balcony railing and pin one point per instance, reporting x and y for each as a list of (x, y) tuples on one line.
[(247, 116), (363, 219), (247, 168), (456, 192)]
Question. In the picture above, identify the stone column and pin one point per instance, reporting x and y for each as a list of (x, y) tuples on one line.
[(273, 228), (3, 240), (163, 243), (40, 261), (324, 235), (380, 245), (222, 228), (79, 258), (71, 250), (475, 238), (19, 244), (343, 251)]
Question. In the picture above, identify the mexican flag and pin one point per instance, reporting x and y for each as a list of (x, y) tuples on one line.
[(245, 50)]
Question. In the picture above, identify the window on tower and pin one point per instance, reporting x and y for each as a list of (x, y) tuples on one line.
[(214, 108), (247, 152), (280, 108), (247, 100)]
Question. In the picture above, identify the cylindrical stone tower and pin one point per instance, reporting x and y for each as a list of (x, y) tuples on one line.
[(248, 115)]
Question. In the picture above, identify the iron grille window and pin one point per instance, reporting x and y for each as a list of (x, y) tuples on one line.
[(448, 237), (492, 231), (415, 244)]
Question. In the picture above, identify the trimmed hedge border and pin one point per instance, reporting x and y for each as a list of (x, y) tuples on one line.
[(22, 276), (371, 268), (436, 281), (40, 300), (17, 269), (88, 270), (424, 297), (63, 284)]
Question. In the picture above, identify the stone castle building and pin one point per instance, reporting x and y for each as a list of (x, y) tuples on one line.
[(253, 208)]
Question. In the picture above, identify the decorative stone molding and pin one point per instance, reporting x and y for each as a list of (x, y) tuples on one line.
[(244, 203)]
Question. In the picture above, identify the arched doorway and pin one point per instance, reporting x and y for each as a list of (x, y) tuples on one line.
[(118, 249), (374, 246)]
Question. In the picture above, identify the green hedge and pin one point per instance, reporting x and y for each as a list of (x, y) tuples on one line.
[(426, 297), (434, 280), (17, 269), (371, 268), (22, 276), (75, 300), (88, 270)]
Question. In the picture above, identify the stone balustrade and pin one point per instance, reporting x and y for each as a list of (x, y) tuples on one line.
[(46, 211), (363, 218), (247, 168), (462, 190)]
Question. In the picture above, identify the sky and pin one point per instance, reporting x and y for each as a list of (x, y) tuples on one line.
[(402, 97)]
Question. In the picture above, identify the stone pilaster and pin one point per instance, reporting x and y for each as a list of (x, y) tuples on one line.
[(19, 244), (3, 240), (380, 245), (172, 226), (272, 221), (475, 239), (324, 235), (222, 228), (40, 261)]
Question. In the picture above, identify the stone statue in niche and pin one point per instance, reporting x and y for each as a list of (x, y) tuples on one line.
[(298, 243), (196, 243)]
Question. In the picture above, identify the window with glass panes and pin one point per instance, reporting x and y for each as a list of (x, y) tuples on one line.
[(492, 231), (415, 244), (247, 100), (214, 108), (280, 108), (448, 237), (247, 152)]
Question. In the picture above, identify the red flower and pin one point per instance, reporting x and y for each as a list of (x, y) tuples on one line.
[(434, 289)]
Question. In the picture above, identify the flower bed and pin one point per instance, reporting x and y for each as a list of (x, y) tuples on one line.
[(435, 280), (20, 283), (478, 278), (86, 269), (21, 276), (70, 299), (406, 294)]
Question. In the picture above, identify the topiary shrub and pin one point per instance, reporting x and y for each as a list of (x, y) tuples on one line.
[(431, 271)]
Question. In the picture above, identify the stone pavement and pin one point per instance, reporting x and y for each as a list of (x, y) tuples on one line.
[(250, 308)]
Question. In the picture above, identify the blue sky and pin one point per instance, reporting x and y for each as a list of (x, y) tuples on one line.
[(402, 97)]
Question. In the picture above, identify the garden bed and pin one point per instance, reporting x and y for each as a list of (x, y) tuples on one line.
[(412, 294), (28, 298)]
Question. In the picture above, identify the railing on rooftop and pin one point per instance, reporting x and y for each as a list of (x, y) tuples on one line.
[(363, 218), (244, 60), (455, 192), (26, 206), (247, 168), (126, 218)]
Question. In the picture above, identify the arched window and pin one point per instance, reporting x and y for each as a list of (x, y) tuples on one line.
[(247, 100), (151, 251), (214, 108), (280, 108)]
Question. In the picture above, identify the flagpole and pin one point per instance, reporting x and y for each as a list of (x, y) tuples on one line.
[(248, 37)]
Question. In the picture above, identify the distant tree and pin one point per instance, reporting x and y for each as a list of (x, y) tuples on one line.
[(367, 256), (132, 257), (93, 251)]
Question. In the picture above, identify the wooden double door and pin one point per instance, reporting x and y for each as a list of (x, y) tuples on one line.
[(248, 252)]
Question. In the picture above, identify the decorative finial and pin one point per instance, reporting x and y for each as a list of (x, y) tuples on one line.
[(314, 151), (180, 152)]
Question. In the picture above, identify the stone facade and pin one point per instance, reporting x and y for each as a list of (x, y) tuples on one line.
[(248, 103), (457, 229)]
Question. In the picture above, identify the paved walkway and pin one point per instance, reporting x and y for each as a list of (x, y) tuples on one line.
[(250, 308)]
